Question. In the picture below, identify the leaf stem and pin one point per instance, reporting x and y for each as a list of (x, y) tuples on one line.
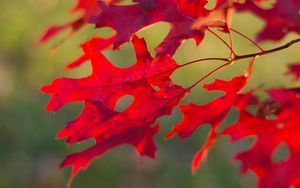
[(189, 63), (223, 41), (204, 59), (209, 74), (253, 42), (239, 57)]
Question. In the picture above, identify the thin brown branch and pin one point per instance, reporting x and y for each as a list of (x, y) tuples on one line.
[(209, 74), (223, 41), (188, 63), (229, 61), (247, 38), (238, 57)]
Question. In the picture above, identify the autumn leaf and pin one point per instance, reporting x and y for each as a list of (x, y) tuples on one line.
[(269, 134), (88, 7), (96, 44), (126, 20), (100, 93), (148, 82), (212, 113), (294, 69), (280, 20), (107, 82)]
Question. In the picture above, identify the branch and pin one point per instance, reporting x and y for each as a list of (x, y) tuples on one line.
[(247, 38), (229, 61), (209, 74), (238, 57), (222, 40)]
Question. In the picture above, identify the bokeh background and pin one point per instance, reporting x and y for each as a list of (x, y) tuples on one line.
[(29, 154)]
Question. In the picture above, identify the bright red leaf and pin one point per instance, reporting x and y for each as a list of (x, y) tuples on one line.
[(100, 93), (96, 44), (269, 134), (154, 93), (107, 82), (212, 113)]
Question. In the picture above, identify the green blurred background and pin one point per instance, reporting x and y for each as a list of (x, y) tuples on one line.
[(29, 154)]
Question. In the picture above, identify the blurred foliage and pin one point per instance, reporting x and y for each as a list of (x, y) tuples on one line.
[(30, 155)]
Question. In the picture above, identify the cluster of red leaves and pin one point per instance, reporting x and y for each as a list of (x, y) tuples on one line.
[(155, 94)]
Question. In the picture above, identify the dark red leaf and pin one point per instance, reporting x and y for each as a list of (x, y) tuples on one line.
[(280, 20), (88, 7), (294, 69), (126, 20)]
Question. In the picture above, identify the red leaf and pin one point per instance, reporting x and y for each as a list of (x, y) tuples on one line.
[(232, 86), (88, 7), (202, 154), (96, 44), (144, 13), (154, 94), (294, 69), (100, 93), (112, 128), (212, 113), (269, 135), (107, 82), (96, 119), (193, 8), (126, 20), (281, 19), (140, 138), (54, 30)]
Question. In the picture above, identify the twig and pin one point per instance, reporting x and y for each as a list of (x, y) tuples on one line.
[(223, 41), (238, 57), (209, 74), (253, 42)]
